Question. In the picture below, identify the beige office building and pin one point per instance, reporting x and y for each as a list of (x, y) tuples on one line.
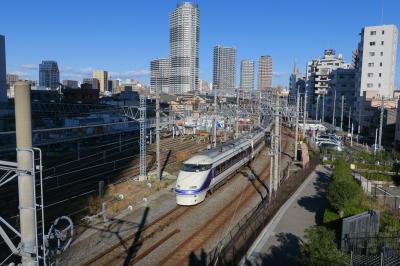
[(265, 72), (102, 77)]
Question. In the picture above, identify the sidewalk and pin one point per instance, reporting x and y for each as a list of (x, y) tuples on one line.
[(279, 243)]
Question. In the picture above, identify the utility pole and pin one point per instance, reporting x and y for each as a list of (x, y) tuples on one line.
[(381, 124), (26, 179), (334, 111), (341, 114), (158, 133), (276, 143), (297, 124)]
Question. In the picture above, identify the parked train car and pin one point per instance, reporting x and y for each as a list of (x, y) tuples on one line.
[(206, 170)]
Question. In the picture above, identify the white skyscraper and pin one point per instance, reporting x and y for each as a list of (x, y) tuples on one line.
[(247, 75), (160, 72), (184, 36), (3, 82), (377, 52), (224, 72)]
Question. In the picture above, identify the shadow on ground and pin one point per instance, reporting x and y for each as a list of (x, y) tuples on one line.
[(317, 203), (282, 254)]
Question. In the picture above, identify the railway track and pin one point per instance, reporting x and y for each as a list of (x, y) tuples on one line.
[(120, 251), (215, 225), (75, 185)]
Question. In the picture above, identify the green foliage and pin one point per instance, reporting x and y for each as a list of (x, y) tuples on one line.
[(377, 176), (330, 216), (341, 193), (364, 166), (389, 222), (320, 248)]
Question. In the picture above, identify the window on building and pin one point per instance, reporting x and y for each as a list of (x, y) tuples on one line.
[(370, 75), (382, 42), (371, 43), (370, 64), (381, 53), (371, 53), (379, 85), (380, 64), (336, 64), (380, 75), (341, 76), (383, 32), (373, 32), (369, 85)]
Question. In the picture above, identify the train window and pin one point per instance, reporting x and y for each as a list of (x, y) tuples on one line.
[(196, 167)]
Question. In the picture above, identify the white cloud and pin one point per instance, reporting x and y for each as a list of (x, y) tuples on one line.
[(31, 71), (130, 74), (30, 66), (278, 74)]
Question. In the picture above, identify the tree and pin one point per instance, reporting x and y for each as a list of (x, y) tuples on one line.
[(341, 193), (320, 248)]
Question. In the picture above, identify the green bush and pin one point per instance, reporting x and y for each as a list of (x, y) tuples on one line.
[(330, 216), (341, 193), (320, 248), (377, 176), (389, 222)]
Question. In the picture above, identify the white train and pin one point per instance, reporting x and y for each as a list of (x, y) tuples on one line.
[(206, 170)]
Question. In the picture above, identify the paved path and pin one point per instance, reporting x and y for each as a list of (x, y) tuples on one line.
[(279, 243)]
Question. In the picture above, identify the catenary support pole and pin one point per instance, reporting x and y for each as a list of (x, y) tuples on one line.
[(271, 167), (276, 143), (158, 133), (341, 114), (334, 110), (381, 124), (349, 126), (323, 108), (26, 182), (304, 115), (297, 125), (215, 120)]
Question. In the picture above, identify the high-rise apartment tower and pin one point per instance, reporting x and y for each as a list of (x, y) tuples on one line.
[(224, 71), (184, 36)]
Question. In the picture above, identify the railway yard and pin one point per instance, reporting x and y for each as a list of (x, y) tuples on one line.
[(158, 232)]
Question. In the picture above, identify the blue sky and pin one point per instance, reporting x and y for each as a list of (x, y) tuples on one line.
[(122, 36)]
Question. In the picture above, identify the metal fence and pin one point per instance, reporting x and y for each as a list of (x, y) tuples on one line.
[(373, 249), (231, 249), (380, 192)]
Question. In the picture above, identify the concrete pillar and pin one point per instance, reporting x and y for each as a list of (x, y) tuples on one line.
[(23, 128)]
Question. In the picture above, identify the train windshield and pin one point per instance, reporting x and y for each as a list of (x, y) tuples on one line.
[(195, 167)]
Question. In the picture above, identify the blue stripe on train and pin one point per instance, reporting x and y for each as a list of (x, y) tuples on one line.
[(205, 185)]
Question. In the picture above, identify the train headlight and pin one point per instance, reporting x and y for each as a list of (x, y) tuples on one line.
[(193, 187)]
